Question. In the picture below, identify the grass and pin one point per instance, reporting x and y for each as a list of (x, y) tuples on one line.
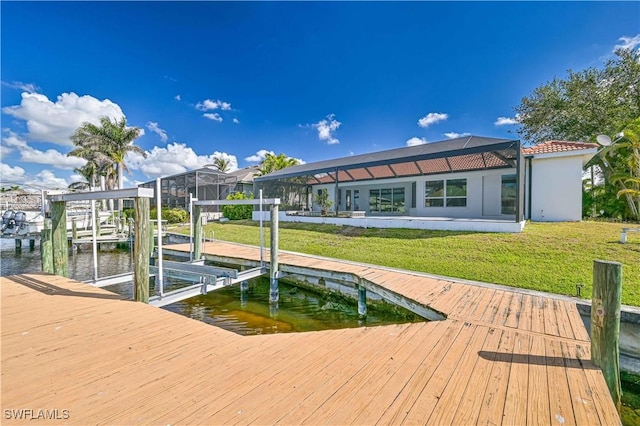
[(550, 257), (630, 410)]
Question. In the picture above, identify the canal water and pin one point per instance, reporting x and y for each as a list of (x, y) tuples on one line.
[(247, 313)]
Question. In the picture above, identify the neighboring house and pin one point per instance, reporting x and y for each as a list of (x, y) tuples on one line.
[(470, 183), (245, 179)]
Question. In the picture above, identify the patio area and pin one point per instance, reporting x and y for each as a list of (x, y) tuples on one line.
[(361, 220)]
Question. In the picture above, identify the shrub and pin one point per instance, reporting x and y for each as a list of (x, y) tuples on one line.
[(238, 212), (175, 215)]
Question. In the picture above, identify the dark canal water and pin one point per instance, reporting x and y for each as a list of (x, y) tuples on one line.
[(248, 313)]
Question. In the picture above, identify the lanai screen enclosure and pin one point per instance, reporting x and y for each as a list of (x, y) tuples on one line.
[(470, 177), (204, 184)]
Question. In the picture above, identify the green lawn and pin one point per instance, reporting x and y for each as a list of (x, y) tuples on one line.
[(551, 257)]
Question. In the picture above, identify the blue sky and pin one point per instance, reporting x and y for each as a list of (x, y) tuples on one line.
[(313, 80)]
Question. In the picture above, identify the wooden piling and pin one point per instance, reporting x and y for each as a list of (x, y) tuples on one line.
[(74, 229), (32, 244), (273, 271), (46, 249), (141, 250), (59, 243), (18, 244), (197, 232), (605, 323), (96, 222), (152, 245)]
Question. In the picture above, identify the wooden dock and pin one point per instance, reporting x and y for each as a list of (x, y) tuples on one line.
[(501, 357)]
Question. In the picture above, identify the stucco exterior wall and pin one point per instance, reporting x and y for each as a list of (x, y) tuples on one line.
[(556, 189), (483, 195)]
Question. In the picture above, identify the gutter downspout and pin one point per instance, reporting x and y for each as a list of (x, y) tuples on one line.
[(530, 187)]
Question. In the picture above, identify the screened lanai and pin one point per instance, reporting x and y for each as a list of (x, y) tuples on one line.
[(469, 177), (203, 184)]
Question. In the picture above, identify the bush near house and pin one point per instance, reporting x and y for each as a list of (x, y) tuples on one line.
[(238, 212), (174, 215)]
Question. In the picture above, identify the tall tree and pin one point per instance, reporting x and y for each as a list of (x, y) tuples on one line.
[(222, 164), (273, 162), (620, 166), (585, 104), (105, 147)]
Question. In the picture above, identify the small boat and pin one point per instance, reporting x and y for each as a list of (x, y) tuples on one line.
[(21, 223)]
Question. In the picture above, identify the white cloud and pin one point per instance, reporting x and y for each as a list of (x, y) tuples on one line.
[(628, 42), (43, 180), (454, 135), (326, 129), (506, 121), (29, 154), (152, 126), (236, 121), (177, 98), (416, 141), (208, 105), (55, 122), (26, 87), (47, 180), (11, 175), (214, 117), (432, 118), (175, 158), (259, 156)]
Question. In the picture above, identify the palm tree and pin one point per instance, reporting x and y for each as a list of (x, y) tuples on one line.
[(222, 164), (272, 162), (627, 169), (105, 147), (620, 166)]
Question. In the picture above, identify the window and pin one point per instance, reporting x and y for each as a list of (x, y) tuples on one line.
[(348, 200), (434, 193), (508, 197), (456, 192), (449, 193), (387, 200)]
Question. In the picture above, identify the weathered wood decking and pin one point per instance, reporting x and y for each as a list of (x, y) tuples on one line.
[(501, 357)]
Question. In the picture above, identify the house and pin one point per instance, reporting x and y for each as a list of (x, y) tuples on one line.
[(244, 179), (470, 183)]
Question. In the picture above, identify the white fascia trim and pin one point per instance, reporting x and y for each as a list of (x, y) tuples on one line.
[(576, 153)]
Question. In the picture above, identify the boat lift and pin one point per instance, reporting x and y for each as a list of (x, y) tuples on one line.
[(207, 278), (212, 277)]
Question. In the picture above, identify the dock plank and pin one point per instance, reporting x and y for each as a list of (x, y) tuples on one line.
[(107, 360)]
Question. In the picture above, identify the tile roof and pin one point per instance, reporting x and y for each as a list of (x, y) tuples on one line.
[(557, 146)]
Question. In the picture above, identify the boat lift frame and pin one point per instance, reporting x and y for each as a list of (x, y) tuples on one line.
[(210, 278), (274, 203)]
